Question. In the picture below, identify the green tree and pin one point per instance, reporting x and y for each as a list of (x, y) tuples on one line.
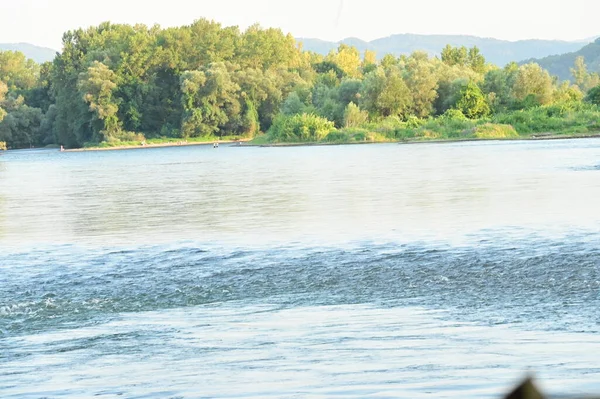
[(293, 105), (21, 127), (533, 82), (347, 59), (472, 102), (395, 98), (96, 87), (369, 59), (498, 86), (210, 100), (422, 81), (566, 93), (372, 86), (448, 94), (3, 91), (476, 60), (455, 56), (583, 79), (17, 71), (267, 48)]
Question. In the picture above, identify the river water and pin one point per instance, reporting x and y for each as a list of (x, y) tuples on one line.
[(406, 271)]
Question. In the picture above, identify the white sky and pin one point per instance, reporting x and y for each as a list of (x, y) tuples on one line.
[(42, 22)]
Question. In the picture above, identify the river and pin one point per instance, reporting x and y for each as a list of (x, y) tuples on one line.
[(407, 271)]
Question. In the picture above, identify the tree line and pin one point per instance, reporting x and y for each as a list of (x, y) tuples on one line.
[(122, 83)]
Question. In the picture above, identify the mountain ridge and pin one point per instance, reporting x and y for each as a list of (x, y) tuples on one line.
[(497, 51), (37, 53), (560, 65)]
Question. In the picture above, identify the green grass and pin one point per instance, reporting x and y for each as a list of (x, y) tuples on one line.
[(556, 119), (159, 141), (569, 119), (261, 139)]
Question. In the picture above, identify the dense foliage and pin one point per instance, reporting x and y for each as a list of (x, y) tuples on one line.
[(115, 84)]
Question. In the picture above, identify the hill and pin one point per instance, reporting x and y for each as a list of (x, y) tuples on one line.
[(36, 53), (499, 52), (560, 65)]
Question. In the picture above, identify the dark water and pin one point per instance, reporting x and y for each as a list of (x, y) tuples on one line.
[(354, 271)]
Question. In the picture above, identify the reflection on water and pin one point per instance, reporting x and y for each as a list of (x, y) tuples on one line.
[(321, 193), (352, 271)]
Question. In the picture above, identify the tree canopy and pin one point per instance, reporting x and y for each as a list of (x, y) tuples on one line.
[(114, 83)]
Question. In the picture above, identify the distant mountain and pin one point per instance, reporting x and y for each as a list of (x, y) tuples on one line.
[(560, 65), (36, 53), (499, 52), (588, 40)]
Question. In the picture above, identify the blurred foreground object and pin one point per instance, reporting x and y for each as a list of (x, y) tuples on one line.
[(527, 390)]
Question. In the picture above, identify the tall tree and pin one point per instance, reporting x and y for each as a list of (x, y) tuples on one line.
[(584, 79), (533, 82), (347, 59), (96, 87), (422, 81), (17, 71), (395, 98)]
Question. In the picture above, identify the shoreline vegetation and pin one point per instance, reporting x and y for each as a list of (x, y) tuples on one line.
[(116, 86), (158, 144), (261, 143)]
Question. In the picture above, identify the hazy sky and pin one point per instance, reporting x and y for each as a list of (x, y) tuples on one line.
[(42, 22)]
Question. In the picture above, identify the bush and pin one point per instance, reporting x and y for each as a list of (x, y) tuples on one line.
[(454, 114), (562, 118), (428, 134), (127, 136), (593, 96), (300, 128), (414, 122), (494, 131), (337, 136), (2, 146)]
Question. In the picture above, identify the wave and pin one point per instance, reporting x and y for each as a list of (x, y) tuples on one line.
[(553, 283)]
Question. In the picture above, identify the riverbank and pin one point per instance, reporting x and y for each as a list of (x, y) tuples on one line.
[(534, 137), (262, 143), (156, 145)]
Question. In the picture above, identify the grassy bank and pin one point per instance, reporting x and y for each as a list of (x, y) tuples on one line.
[(571, 120), (157, 142), (550, 122)]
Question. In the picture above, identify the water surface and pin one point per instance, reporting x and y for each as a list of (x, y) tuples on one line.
[(435, 270)]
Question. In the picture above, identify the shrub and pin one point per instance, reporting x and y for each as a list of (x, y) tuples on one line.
[(593, 95), (337, 136), (558, 119), (472, 102), (453, 114), (414, 122), (494, 131), (300, 128), (428, 134), (354, 116), (128, 136)]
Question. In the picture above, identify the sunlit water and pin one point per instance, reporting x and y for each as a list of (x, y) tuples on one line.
[(405, 271)]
